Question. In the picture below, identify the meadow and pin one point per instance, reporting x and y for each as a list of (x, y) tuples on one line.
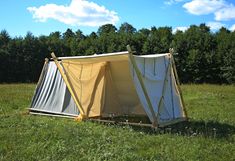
[(209, 134)]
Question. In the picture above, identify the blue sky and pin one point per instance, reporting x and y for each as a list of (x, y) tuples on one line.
[(42, 17)]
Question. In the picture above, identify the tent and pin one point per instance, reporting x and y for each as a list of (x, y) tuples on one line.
[(111, 85)]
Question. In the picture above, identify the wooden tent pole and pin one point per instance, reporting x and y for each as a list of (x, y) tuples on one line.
[(133, 62), (81, 115), (171, 50)]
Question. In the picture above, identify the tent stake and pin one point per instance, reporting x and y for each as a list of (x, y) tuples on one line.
[(81, 115), (132, 59)]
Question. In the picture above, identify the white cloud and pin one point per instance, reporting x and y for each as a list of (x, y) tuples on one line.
[(203, 7), (215, 25), (220, 8), (170, 2), (226, 13), (78, 13), (180, 28), (232, 28)]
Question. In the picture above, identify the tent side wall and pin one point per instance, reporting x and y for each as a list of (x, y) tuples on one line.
[(52, 95), (159, 80)]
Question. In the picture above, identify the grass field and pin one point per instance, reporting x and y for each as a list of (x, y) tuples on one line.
[(209, 135)]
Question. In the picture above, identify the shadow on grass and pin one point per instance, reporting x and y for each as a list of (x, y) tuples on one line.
[(191, 128), (194, 128)]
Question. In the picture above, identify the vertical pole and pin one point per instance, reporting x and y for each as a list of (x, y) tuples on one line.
[(171, 50), (81, 115), (133, 62), (172, 100)]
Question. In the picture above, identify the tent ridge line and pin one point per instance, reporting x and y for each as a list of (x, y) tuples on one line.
[(94, 56), (155, 122)]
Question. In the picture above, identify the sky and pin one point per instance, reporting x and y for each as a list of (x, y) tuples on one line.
[(41, 17)]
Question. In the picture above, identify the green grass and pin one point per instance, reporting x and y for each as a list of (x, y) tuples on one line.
[(209, 135)]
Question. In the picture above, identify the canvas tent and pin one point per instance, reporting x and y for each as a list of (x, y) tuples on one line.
[(111, 85)]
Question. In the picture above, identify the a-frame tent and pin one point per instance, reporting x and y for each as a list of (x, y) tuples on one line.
[(111, 85)]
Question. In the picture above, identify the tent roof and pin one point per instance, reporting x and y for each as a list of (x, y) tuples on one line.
[(96, 56), (110, 56)]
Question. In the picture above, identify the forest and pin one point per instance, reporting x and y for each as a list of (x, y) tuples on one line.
[(202, 56)]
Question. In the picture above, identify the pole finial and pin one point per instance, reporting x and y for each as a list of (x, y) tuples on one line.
[(129, 48), (53, 55), (46, 59)]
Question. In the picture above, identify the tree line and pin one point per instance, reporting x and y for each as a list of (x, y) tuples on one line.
[(203, 56)]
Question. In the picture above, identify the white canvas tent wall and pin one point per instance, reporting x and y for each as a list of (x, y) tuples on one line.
[(109, 85)]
